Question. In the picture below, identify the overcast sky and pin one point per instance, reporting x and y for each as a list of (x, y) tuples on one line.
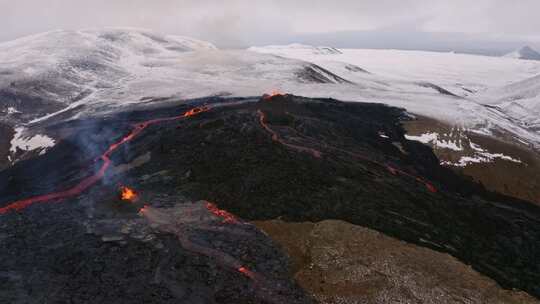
[(243, 21)]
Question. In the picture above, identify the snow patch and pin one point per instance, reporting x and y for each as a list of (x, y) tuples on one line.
[(29, 143), (482, 157), (12, 110), (433, 139), (476, 147)]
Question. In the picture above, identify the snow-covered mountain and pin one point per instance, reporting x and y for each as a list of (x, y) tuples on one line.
[(47, 72), (519, 100), (91, 71), (525, 52)]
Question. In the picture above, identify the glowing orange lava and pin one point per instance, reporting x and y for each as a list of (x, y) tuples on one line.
[(106, 162), (273, 94), (226, 216), (196, 111), (243, 270), (128, 194), (276, 138), (144, 209), (317, 154)]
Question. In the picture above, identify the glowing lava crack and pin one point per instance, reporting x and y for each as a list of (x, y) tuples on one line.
[(318, 154), (105, 158), (186, 220)]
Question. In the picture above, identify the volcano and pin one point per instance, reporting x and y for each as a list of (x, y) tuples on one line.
[(204, 169)]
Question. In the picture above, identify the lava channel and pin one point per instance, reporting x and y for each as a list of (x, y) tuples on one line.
[(317, 154), (106, 162), (185, 220), (276, 138)]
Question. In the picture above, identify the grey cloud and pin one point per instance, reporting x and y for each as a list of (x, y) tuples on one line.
[(242, 22)]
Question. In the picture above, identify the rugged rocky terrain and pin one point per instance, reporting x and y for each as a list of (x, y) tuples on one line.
[(69, 237), (342, 263)]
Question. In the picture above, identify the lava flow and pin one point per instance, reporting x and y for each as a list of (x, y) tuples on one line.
[(105, 158), (317, 154), (276, 138), (196, 111), (273, 94), (128, 194), (227, 217), (187, 219)]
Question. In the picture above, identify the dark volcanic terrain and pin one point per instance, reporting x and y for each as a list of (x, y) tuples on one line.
[(281, 156)]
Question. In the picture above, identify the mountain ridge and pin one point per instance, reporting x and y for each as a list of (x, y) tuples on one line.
[(526, 53)]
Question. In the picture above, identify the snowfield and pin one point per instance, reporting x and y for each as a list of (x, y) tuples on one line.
[(71, 74), (433, 138), (519, 100), (479, 154), (24, 142), (94, 71), (314, 50), (479, 93)]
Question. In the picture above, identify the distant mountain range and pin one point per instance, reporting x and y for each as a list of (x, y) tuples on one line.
[(525, 52), (316, 50), (403, 39)]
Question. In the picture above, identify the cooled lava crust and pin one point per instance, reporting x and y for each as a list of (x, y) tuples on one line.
[(281, 156)]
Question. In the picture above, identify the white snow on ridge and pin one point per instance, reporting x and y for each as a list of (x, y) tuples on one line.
[(12, 110), (97, 71), (476, 156), (64, 66), (483, 157), (519, 100), (29, 142), (433, 138)]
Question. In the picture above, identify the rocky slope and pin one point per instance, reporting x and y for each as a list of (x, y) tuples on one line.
[(338, 262)]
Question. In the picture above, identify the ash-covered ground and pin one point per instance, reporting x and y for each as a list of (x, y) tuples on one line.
[(282, 156)]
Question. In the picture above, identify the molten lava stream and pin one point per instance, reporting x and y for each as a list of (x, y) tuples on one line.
[(266, 289), (275, 137), (273, 94), (105, 157)]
